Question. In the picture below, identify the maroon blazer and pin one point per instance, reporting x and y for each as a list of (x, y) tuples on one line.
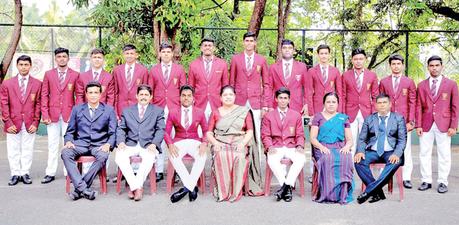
[(14, 111), (126, 96), (363, 100), (296, 84), (105, 79), (253, 86), (276, 134), (58, 100), (318, 88), (443, 109), (404, 100), (208, 90), (174, 121), (167, 92)]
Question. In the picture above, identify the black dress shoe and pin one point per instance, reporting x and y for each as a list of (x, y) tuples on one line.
[(310, 180), (26, 179), (75, 195), (424, 186), (177, 196), (442, 188), (280, 193), (288, 194), (193, 195), (14, 180), (89, 194), (374, 199), (47, 179), (363, 197), (407, 184), (159, 177)]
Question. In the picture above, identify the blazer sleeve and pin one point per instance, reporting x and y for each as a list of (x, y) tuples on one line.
[(266, 137), (374, 93), (233, 71), (267, 95), (71, 127), (204, 127), (418, 115), (121, 130), (191, 76), (79, 91), (412, 102), (308, 91), (339, 90), (225, 75), (343, 93), (299, 139), (158, 136), (5, 102), (37, 112), (113, 123), (363, 136), (45, 97), (111, 91), (168, 130), (401, 137), (454, 107)]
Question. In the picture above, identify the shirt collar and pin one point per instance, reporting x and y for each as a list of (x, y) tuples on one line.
[(97, 106), (439, 78), (286, 110), (251, 56), (355, 72), (290, 61), (26, 77), (166, 64), (65, 71), (387, 115), (190, 108), (96, 70)]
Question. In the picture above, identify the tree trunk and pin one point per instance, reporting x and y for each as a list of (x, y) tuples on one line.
[(155, 34), (282, 14), (8, 57), (257, 16)]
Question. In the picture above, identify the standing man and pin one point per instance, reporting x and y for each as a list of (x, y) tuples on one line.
[(324, 78), (360, 88), (402, 92), (249, 76), (91, 131), (436, 120), (291, 74), (207, 75), (165, 79), (57, 100), (96, 73), (283, 137), (20, 104), (140, 132)]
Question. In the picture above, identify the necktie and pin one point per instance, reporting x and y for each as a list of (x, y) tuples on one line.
[(96, 76), (92, 112), (381, 135), (396, 83), (166, 73), (324, 74), (187, 118), (287, 72), (61, 78), (142, 112), (22, 88), (433, 89), (208, 61), (129, 77), (359, 82), (249, 64), (282, 116)]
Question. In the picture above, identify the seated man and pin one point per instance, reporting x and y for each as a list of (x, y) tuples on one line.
[(382, 140), (186, 122), (283, 137), (91, 131), (140, 132)]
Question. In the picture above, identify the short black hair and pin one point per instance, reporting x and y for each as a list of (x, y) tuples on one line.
[(207, 39), (287, 42), (97, 51), (330, 94), (24, 58), (186, 87), (396, 57), (250, 34), (227, 87), (165, 45), (358, 51), (282, 90), (382, 95), (434, 58), (93, 84), (129, 47), (144, 87), (61, 50), (323, 46)]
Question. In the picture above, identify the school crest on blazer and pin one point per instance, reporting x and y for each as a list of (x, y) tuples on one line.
[(32, 97), (298, 77), (70, 87)]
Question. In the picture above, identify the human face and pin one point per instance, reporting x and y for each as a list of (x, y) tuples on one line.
[(186, 98), (166, 55), (282, 101), (93, 95), (62, 59), (249, 44), (358, 61), (144, 97), (383, 106), (287, 51), (207, 48), (97, 61), (324, 56), (396, 66), (435, 67), (24, 67), (130, 56), (331, 104), (228, 97)]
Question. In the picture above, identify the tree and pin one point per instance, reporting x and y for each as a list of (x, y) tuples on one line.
[(283, 12), (15, 37), (257, 16)]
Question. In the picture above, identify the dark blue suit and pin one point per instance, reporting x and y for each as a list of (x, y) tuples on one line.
[(88, 134), (396, 137)]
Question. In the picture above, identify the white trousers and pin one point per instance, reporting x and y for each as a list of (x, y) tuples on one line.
[(56, 132), (426, 142), (161, 158), (356, 127), (122, 160), (279, 170), (190, 147), (408, 165), (19, 148)]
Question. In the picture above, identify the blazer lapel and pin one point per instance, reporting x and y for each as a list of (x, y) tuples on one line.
[(100, 110), (319, 75), (28, 88), (86, 112), (17, 88), (442, 84), (364, 82), (376, 124), (280, 71), (66, 80), (278, 119), (147, 113)]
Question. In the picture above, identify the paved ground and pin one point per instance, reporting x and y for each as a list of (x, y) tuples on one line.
[(48, 204)]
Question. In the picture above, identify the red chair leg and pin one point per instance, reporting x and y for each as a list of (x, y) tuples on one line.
[(399, 175), (118, 181), (301, 180), (103, 180), (170, 177), (153, 180), (268, 176), (67, 184)]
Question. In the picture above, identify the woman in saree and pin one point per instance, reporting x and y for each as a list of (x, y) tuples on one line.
[(332, 141), (235, 156)]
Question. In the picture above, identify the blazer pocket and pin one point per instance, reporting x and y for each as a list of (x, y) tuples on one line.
[(447, 114)]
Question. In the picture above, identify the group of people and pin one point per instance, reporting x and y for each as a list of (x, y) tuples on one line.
[(233, 114)]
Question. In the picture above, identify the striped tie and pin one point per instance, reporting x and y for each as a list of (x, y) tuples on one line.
[(22, 88), (129, 77), (282, 116), (433, 89), (96, 76), (187, 118), (61, 79), (142, 112), (396, 83), (287, 72), (324, 74), (166, 73), (249, 64), (208, 61), (359, 82)]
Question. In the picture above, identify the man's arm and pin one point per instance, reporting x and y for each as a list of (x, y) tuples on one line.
[(266, 135), (71, 127), (113, 122), (121, 131), (299, 139), (401, 137), (363, 136), (158, 136), (110, 92)]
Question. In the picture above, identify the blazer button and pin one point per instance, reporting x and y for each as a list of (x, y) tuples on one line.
[(434, 113), (434, 105)]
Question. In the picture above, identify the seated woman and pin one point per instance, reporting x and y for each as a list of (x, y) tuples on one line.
[(332, 141), (234, 151)]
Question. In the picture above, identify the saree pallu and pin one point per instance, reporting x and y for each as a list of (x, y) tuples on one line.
[(335, 170)]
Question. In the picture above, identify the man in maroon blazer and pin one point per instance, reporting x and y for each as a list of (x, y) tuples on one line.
[(96, 73), (165, 80), (324, 78), (291, 74), (249, 76), (127, 77), (207, 75), (360, 88), (20, 104), (402, 92), (282, 133), (57, 100), (436, 120)]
